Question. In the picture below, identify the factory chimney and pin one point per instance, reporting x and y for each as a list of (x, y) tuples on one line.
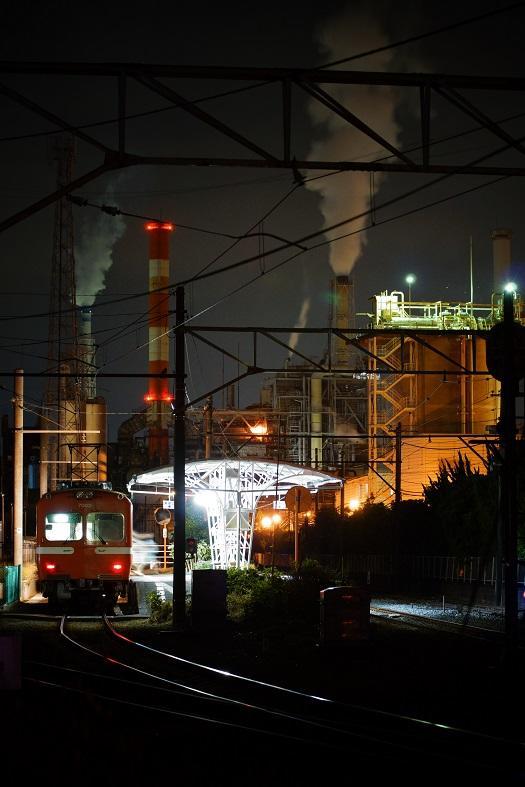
[(501, 256), (158, 396), (342, 290), (86, 350)]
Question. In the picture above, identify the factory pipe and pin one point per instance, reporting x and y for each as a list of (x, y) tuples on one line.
[(316, 420)]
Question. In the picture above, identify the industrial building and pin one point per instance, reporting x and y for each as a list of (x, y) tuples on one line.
[(392, 402), (381, 409)]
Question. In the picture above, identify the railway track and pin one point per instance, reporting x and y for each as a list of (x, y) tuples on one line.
[(188, 700), (394, 614)]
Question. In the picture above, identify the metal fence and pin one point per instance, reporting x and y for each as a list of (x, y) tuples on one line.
[(444, 568), (152, 557), (454, 569)]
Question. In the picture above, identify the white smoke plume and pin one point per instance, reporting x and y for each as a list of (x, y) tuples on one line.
[(347, 194), (97, 236), (301, 323)]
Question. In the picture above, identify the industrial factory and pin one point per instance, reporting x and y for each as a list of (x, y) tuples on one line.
[(398, 390)]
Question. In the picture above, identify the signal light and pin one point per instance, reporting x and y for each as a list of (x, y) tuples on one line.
[(50, 566), (117, 567)]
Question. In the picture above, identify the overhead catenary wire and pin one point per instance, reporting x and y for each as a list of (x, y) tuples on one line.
[(286, 260), (146, 113), (202, 273), (245, 88), (324, 230), (421, 36), (253, 258)]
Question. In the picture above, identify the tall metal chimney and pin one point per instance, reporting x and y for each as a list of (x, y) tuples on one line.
[(501, 256), (158, 396), (86, 349), (342, 289)]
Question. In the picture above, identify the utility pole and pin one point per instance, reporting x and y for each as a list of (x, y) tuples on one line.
[(18, 477), (208, 426), (398, 494), (296, 526), (509, 385), (179, 471)]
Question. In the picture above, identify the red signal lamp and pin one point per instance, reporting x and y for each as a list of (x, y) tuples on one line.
[(50, 566), (159, 225), (117, 567), (164, 397)]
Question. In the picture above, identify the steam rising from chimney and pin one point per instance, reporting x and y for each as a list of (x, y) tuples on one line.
[(346, 194), (94, 251), (301, 323)]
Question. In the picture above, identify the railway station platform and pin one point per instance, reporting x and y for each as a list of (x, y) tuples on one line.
[(161, 583)]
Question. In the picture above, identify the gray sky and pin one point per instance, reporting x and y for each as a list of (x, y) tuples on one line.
[(433, 244)]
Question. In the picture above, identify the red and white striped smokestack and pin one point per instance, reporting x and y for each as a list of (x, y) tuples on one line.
[(159, 276), (158, 395)]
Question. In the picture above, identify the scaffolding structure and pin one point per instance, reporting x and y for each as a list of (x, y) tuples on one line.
[(451, 402)]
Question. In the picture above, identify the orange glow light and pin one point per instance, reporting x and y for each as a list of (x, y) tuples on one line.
[(157, 225), (259, 428), (165, 397)]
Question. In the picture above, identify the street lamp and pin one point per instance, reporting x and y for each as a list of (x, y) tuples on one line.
[(410, 279)]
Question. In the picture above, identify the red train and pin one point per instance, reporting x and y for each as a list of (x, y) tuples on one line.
[(83, 546)]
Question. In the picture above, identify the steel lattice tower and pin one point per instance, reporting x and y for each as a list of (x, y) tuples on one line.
[(63, 398)]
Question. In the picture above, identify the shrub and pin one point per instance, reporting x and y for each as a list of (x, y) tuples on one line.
[(262, 598), (160, 610)]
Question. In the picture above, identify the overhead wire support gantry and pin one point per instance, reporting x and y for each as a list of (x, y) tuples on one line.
[(243, 84)]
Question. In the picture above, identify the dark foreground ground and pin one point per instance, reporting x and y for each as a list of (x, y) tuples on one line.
[(434, 675)]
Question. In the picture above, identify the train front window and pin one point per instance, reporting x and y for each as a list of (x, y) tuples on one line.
[(63, 527), (102, 528)]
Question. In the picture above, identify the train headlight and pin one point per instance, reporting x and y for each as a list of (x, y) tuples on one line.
[(50, 566), (117, 567)]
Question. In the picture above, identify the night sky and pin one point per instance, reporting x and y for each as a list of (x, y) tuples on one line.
[(433, 244)]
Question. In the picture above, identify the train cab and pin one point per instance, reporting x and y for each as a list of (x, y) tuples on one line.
[(84, 542)]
